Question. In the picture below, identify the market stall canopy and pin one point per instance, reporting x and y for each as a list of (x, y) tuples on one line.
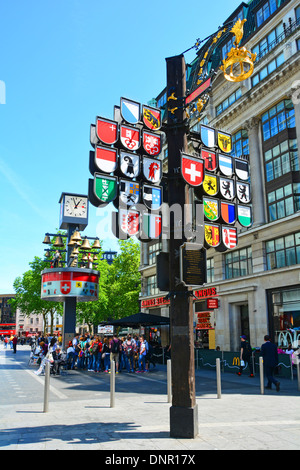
[(144, 319)]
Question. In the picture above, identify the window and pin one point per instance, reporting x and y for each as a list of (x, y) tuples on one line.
[(266, 10), (281, 159), (283, 251), (210, 270), (283, 201), (153, 251), (240, 144), (229, 101), (238, 263), (269, 42), (277, 119), (267, 69), (151, 286)]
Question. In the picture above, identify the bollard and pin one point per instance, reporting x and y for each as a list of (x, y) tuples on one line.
[(46, 387), (261, 375), (169, 381), (298, 372), (112, 384), (218, 372)]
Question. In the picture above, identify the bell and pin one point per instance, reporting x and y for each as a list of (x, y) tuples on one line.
[(74, 252), (85, 244), (47, 254), (58, 242), (47, 240), (96, 244), (95, 258), (76, 237), (71, 242), (84, 258)]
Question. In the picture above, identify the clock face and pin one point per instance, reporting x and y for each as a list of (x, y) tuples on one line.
[(75, 206)]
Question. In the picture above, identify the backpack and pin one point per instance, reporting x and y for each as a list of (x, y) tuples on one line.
[(95, 348), (115, 346)]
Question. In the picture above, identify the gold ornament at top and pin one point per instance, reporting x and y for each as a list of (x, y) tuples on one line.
[(238, 55)]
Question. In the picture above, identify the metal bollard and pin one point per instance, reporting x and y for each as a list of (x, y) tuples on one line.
[(218, 372), (261, 375), (46, 387), (112, 384), (169, 381)]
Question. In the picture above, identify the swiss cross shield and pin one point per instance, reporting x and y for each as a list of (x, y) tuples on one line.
[(152, 169), (129, 221), (130, 164), (227, 188), (152, 117), (243, 192), (192, 169), (129, 192), (65, 287), (210, 159), (152, 143), (229, 237), (130, 137), (106, 159), (106, 130)]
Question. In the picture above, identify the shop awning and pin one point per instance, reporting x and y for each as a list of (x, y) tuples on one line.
[(139, 319)]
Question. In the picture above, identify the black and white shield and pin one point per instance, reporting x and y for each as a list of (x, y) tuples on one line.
[(129, 192), (227, 188), (243, 192), (152, 170), (130, 164)]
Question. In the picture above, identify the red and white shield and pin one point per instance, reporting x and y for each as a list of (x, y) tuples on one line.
[(130, 137), (229, 236), (106, 130), (192, 169), (151, 143), (129, 221), (106, 159), (65, 287)]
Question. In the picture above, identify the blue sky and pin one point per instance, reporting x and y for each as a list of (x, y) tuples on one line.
[(63, 63)]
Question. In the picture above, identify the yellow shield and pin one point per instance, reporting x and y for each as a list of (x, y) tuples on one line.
[(210, 184), (224, 142)]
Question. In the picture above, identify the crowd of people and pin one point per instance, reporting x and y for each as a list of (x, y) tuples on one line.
[(95, 353)]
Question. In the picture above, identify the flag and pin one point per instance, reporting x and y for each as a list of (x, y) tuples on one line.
[(241, 169), (106, 159), (207, 136), (106, 130), (152, 117), (152, 225), (245, 216), (130, 111), (211, 208), (225, 165), (224, 142), (229, 237), (192, 169), (228, 212)]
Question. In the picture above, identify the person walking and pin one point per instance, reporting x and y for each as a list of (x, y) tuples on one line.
[(115, 347), (129, 349), (269, 353), (15, 342), (245, 356)]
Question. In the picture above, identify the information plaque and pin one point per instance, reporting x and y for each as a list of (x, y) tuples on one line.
[(192, 264)]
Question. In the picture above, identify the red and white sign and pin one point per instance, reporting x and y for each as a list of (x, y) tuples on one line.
[(65, 287), (212, 303), (106, 159), (130, 137), (229, 237), (151, 143), (106, 130), (192, 169)]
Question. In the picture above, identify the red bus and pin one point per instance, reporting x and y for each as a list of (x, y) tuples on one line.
[(8, 329)]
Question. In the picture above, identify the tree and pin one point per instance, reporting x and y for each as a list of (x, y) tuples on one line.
[(28, 293)]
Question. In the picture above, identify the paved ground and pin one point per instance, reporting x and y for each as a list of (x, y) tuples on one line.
[(242, 419)]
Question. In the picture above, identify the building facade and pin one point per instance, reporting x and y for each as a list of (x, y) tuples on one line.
[(258, 283)]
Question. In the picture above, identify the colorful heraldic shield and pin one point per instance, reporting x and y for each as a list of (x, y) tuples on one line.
[(229, 237), (207, 135), (227, 188), (152, 117), (129, 192), (152, 196), (151, 226), (105, 187), (224, 142), (210, 185), (211, 208), (129, 222), (192, 169), (58, 284), (130, 137), (243, 192), (212, 235), (106, 130), (130, 164), (241, 169), (244, 215), (152, 170), (228, 212), (152, 143), (106, 159), (226, 165), (130, 110), (210, 159)]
